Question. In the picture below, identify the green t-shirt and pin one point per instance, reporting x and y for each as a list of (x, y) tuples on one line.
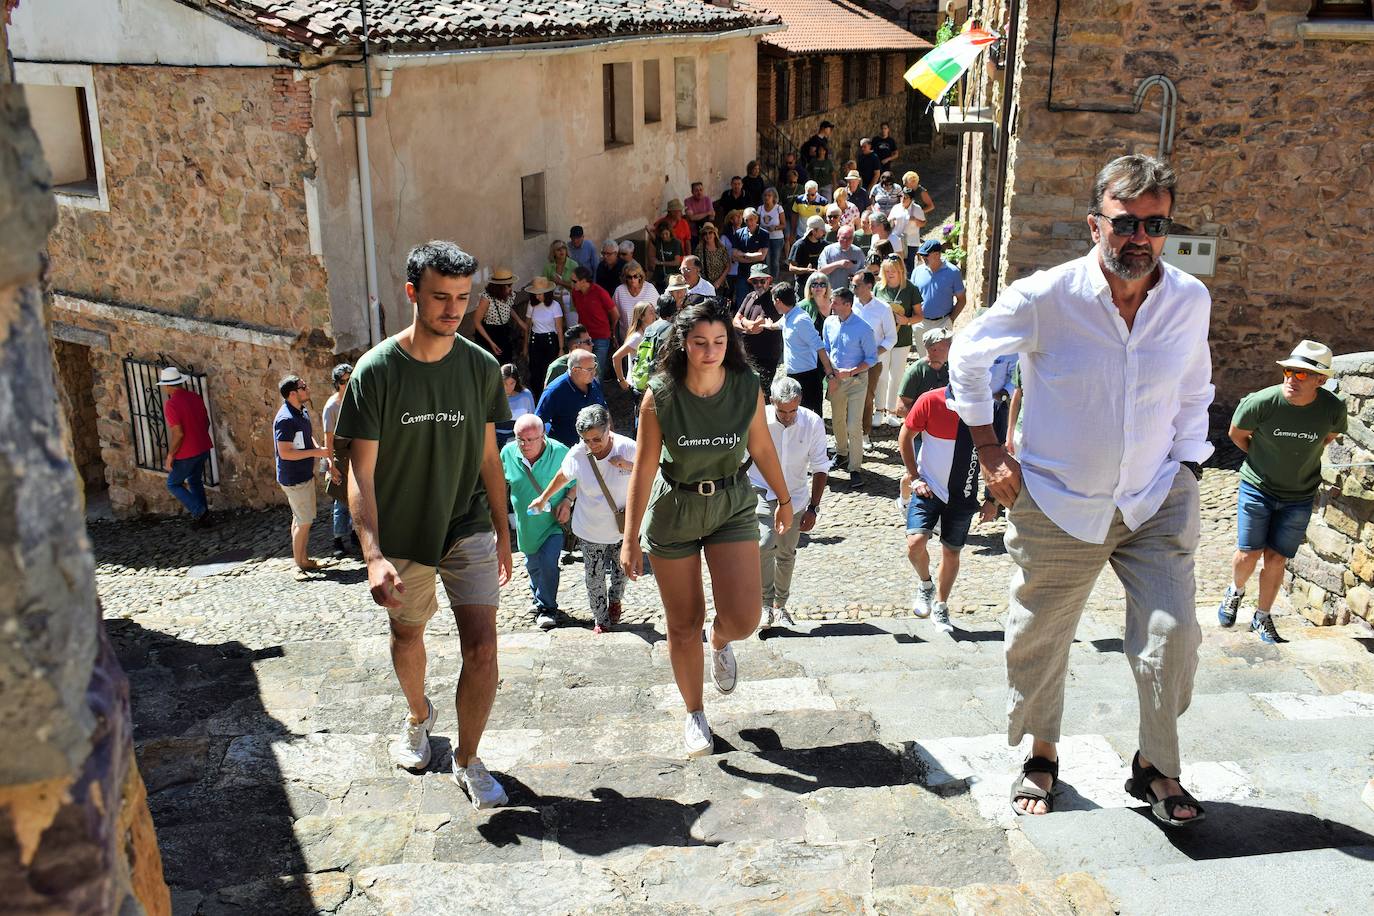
[(808, 306), (705, 438), (531, 531), (903, 300), (1285, 458), (920, 378), (430, 423), (822, 171), (557, 369)]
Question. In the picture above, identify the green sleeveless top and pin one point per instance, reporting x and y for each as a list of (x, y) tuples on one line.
[(903, 302), (705, 438)]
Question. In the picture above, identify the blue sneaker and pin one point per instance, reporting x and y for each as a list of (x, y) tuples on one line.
[(1263, 624), (1229, 607)]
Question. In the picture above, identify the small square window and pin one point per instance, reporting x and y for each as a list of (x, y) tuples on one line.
[(61, 118), (532, 205)]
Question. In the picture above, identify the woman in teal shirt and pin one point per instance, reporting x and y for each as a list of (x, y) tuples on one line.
[(699, 420)]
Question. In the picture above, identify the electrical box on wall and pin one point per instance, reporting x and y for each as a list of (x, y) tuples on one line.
[(1197, 254)]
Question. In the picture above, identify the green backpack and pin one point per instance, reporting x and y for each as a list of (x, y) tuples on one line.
[(646, 356)]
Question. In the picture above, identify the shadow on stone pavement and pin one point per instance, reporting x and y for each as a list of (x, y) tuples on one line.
[(1234, 830), (852, 765), (838, 629), (606, 823), (227, 846)]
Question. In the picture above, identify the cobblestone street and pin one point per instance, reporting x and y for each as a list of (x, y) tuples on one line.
[(860, 767)]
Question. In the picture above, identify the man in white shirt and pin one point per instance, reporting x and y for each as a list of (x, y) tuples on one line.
[(881, 319), (696, 283), (799, 436), (1117, 377)]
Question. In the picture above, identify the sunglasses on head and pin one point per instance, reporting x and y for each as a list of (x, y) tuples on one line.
[(1125, 226)]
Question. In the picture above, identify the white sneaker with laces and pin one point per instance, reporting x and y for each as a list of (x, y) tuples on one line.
[(894, 420), (482, 788), (941, 617), (410, 750), (925, 593), (724, 670), (696, 735), (784, 618), (868, 444), (767, 620)]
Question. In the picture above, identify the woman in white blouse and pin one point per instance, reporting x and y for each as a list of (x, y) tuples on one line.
[(633, 289), (773, 221), (546, 331)]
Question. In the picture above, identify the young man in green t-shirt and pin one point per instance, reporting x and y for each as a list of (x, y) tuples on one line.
[(1283, 431), (422, 409)]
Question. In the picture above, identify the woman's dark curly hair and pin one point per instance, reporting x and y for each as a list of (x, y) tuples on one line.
[(672, 357)]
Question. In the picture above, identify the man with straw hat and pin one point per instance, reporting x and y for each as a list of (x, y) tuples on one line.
[(1283, 430), (188, 444)]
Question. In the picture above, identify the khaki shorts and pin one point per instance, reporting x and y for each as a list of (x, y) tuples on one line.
[(679, 523), (469, 572), (301, 498)]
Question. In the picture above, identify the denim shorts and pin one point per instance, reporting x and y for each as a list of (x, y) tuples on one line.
[(1263, 521), (923, 512)]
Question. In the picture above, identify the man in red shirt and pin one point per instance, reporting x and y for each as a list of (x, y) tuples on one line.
[(188, 444), (682, 230), (597, 313)]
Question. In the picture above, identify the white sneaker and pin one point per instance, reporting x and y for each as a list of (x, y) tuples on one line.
[(481, 787), (766, 621), (941, 617), (894, 420), (410, 750), (724, 671), (696, 735), (925, 593), (784, 618), (545, 620), (868, 444)]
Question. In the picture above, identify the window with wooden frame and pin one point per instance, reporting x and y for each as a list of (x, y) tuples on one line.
[(816, 89), (782, 92), (617, 101)]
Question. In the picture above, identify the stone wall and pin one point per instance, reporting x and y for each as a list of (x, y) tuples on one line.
[(242, 370), (853, 121), (203, 259), (1332, 577), (75, 375), (1274, 142), (75, 833), (206, 171)]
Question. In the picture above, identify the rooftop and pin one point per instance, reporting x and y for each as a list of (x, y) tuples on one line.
[(832, 25), (426, 25)]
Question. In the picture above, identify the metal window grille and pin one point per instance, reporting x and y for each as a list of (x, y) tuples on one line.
[(147, 423)]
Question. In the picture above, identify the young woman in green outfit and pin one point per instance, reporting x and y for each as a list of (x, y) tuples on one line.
[(689, 495)]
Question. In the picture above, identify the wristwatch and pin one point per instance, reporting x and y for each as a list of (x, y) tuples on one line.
[(813, 509), (1194, 467)]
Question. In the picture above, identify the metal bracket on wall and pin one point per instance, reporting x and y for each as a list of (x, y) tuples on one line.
[(1168, 110)]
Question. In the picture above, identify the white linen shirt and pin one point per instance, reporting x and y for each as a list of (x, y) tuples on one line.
[(592, 519), (801, 451), (1108, 413), (703, 287), (879, 316)]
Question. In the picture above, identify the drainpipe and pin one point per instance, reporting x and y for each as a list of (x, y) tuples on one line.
[(1004, 144), (374, 307)]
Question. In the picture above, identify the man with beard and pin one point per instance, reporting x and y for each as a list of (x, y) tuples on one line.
[(1115, 424)]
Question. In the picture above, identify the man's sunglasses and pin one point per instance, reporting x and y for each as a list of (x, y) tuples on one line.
[(1155, 226), (1299, 374)]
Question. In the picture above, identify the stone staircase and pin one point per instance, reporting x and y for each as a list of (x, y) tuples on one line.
[(860, 768)]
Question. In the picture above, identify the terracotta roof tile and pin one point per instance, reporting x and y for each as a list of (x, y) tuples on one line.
[(399, 25), (833, 25)]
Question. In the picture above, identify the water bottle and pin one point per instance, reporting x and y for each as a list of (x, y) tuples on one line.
[(531, 510)]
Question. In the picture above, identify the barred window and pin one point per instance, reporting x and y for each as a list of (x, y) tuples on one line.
[(147, 422)]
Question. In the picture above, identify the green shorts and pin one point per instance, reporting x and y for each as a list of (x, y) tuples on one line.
[(679, 523)]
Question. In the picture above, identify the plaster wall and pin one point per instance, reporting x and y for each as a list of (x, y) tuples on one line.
[(131, 31), (451, 143)]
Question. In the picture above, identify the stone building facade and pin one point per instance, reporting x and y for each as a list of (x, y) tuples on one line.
[(1271, 140), (1332, 577), (75, 833), (837, 61), (211, 205)]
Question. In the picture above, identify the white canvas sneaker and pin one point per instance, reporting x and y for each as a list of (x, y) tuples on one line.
[(925, 593), (724, 671), (696, 735), (941, 617), (481, 787), (410, 750), (784, 618)]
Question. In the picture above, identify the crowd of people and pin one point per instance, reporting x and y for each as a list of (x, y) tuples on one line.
[(1068, 403)]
